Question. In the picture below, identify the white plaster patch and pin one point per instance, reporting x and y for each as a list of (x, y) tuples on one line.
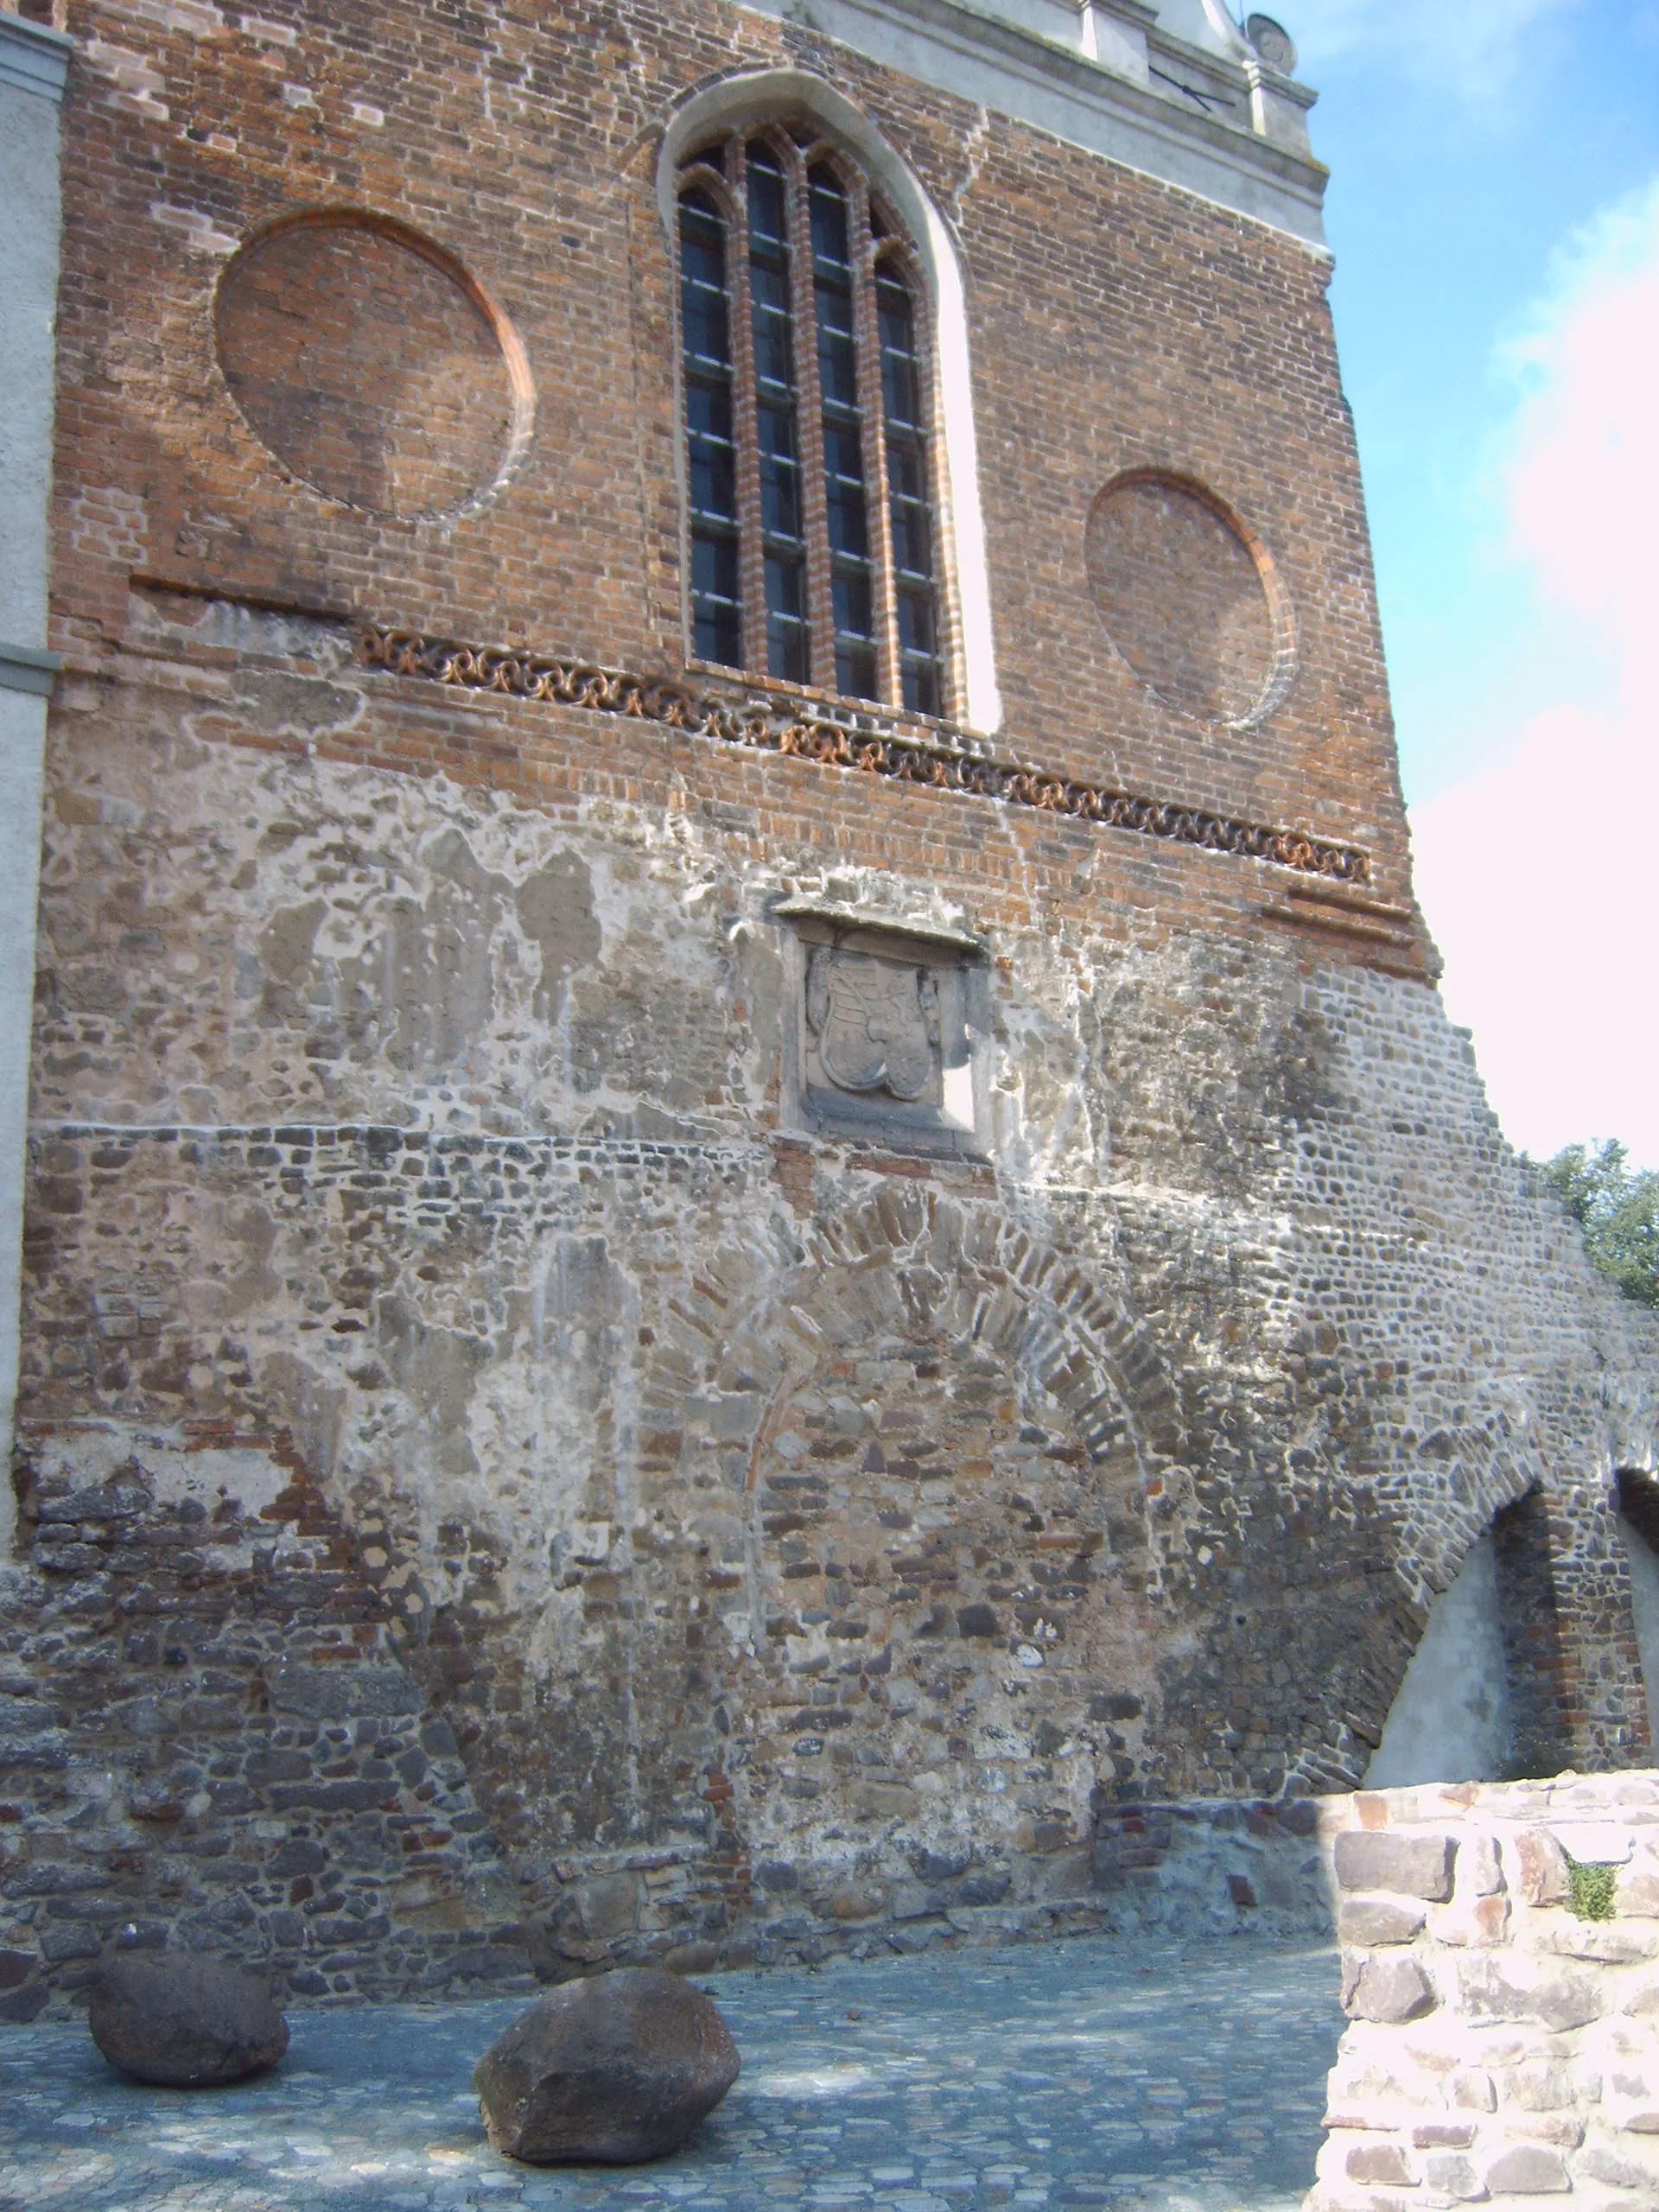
[(136, 85), (808, 1654), (200, 234), (196, 18), (246, 1478), (740, 1630), (86, 1458), (249, 1480)]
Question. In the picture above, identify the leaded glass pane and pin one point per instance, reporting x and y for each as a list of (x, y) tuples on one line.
[(710, 451), (767, 539)]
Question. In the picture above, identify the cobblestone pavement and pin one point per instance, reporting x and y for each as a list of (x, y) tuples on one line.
[(1066, 2074)]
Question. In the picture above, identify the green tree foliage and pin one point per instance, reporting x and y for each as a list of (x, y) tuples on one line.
[(1619, 1210)]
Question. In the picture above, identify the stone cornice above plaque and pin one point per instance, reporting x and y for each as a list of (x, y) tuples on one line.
[(843, 915)]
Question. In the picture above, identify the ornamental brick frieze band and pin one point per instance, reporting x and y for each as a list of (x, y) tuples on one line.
[(869, 743)]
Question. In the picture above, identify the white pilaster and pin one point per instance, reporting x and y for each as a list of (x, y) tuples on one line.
[(34, 61)]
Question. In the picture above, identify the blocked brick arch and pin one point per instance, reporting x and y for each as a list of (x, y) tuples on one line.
[(1190, 598), (939, 1434), (371, 364)]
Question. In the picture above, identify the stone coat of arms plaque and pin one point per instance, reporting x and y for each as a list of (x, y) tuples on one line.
[(877, 1022), (887, 1031)]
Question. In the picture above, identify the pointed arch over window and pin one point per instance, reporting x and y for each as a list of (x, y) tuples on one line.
[(832, 516)]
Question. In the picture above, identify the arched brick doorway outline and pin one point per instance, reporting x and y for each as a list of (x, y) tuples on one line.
[(923, 1267)]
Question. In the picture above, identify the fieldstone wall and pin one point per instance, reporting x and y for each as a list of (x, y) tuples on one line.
[(803, 1544), (209, 1743), (1498, 1971)]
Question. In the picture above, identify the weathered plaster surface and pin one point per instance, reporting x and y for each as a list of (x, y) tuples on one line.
[(22, 744), (791, 1546), (1643, 1564), (1451, 1720), (28, 297)]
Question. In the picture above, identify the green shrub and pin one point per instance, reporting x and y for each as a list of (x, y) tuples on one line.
[(1590, 1890)]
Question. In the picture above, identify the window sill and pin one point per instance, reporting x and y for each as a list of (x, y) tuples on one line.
[(834, 707)]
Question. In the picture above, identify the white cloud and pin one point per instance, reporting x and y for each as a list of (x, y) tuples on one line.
[(1584, 459), (1539, 875), (1472, 46)]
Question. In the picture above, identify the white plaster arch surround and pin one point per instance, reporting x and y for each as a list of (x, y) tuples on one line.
[(753, 96)]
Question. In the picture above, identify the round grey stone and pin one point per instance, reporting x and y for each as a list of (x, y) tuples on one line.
[(606, 2072), (183, 2022)]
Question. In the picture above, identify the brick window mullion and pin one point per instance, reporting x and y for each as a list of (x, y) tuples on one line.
[(820, 599), (752, 566), (878, 520)]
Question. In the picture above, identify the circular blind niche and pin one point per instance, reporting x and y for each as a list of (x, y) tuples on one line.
[(1185, 600), (1273, 42), (364, 359)]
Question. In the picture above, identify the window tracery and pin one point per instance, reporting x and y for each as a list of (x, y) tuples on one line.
[(810, 449)]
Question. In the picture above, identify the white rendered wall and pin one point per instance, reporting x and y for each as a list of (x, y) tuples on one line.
[(1081, 73), (1203, 23), (23, 741), (1451, 1719), (32, 63), (1644, 1603)]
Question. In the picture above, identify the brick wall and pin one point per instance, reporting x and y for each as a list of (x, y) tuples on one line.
[(1182, 599), (1116, 323), (208, 1741)]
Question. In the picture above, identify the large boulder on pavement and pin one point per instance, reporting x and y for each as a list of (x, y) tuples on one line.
[(606, 2072), (183, 2022)]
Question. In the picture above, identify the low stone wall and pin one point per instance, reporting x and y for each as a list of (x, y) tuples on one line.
[(1498, 1971), (1201, 1869)]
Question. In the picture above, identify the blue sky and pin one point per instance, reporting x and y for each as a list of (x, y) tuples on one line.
[(1494, 208)]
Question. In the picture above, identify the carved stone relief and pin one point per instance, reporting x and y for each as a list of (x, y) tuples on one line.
[(887, 1027)]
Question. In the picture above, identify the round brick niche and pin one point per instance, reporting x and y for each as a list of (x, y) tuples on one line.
[(372, 365), (1189, 599)]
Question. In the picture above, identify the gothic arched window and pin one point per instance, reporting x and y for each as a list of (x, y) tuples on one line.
[(811, 468)]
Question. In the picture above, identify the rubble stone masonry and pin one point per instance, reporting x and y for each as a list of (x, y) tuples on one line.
[(508, 1478)]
